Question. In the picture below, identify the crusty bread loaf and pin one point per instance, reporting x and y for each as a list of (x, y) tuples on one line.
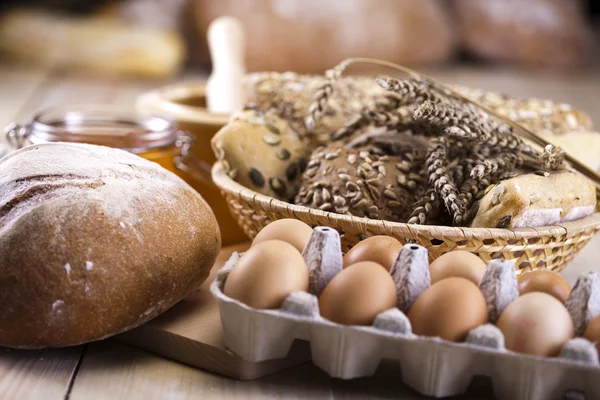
[(94, 241)]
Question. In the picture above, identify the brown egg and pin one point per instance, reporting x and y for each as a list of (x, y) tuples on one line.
[(380, 249), (449, 309), (289, 230), (357, 294), (592, 332), (458, 264), (546, 281), (536, 323), (266, 274)]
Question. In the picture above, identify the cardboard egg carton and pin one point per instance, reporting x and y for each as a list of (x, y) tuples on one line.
[(431, 366)]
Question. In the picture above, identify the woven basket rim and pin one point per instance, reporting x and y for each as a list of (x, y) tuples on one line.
[(267, 203)]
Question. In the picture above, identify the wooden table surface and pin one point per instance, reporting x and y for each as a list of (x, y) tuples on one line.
[(109, 369)]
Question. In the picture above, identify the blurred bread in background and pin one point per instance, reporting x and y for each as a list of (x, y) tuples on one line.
[(159, 37), (532, 33), (310, 36), (104, 45)]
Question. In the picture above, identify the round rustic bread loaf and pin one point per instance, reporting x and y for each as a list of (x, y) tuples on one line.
[(94, 241)]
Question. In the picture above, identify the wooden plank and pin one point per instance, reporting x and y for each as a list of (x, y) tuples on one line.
[(191, 333), (124, 91), (24, 93), (587, 260), (73, 90), (17, 85), (386, 384), (37, 374), (63, 89), (113, 370)]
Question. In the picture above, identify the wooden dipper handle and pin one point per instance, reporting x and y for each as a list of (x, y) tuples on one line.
[(224, 89)]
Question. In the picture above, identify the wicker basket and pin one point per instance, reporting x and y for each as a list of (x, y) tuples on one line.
[(550, 247)]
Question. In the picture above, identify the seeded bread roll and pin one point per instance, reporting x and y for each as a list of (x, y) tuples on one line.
[(94, 241), (262, 152), (536, 200), (363, 182)]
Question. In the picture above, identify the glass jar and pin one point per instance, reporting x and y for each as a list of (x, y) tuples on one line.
[(154, 138), (185, 103)]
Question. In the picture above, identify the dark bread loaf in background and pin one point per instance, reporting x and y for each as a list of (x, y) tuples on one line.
[(94, 241), (532, 33)]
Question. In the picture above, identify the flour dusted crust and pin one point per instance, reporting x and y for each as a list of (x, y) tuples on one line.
[(94, 241), (536, 200)]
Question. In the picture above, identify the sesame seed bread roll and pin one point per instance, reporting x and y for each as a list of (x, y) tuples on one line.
[(362, 182), (94, 241)]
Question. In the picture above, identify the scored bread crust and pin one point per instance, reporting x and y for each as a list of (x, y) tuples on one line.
[(94, 241)]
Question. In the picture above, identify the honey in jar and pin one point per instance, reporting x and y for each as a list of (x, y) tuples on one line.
[(185, 104)]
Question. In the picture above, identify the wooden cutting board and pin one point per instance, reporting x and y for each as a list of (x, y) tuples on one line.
[(190, 333)]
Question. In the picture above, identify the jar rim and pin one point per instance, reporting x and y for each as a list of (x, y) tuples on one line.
[(102, 125), (172, 100)]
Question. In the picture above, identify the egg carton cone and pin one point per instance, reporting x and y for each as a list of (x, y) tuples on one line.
[(431, 366)]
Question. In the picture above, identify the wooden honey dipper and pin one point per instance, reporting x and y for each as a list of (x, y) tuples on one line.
[(224, 88)]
